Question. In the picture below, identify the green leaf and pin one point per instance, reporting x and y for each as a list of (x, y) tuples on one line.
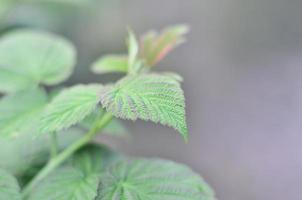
[(21, 112), (66, 183), (156, 47), (5, 6), (30, 57), (152, 180), (111, 64), (19, 155), (93, 158), (132, 52), (70, 107), (153, 97), (9, 188), (147, 44), (76, 181), (114, 128)]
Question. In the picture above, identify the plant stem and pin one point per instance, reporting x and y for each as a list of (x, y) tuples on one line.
[(60, 158), (53, 145)]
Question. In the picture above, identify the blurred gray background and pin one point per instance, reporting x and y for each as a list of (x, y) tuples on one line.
[(242, 66)]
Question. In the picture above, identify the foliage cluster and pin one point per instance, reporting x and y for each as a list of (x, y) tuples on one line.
[(47, 131)]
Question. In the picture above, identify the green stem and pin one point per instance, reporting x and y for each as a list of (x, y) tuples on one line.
[(53, 145), (60, 158)]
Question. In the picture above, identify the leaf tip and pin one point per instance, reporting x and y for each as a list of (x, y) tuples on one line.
[(185, 135)]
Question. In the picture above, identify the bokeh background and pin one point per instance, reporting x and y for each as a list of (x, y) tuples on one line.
[(242, 66)]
